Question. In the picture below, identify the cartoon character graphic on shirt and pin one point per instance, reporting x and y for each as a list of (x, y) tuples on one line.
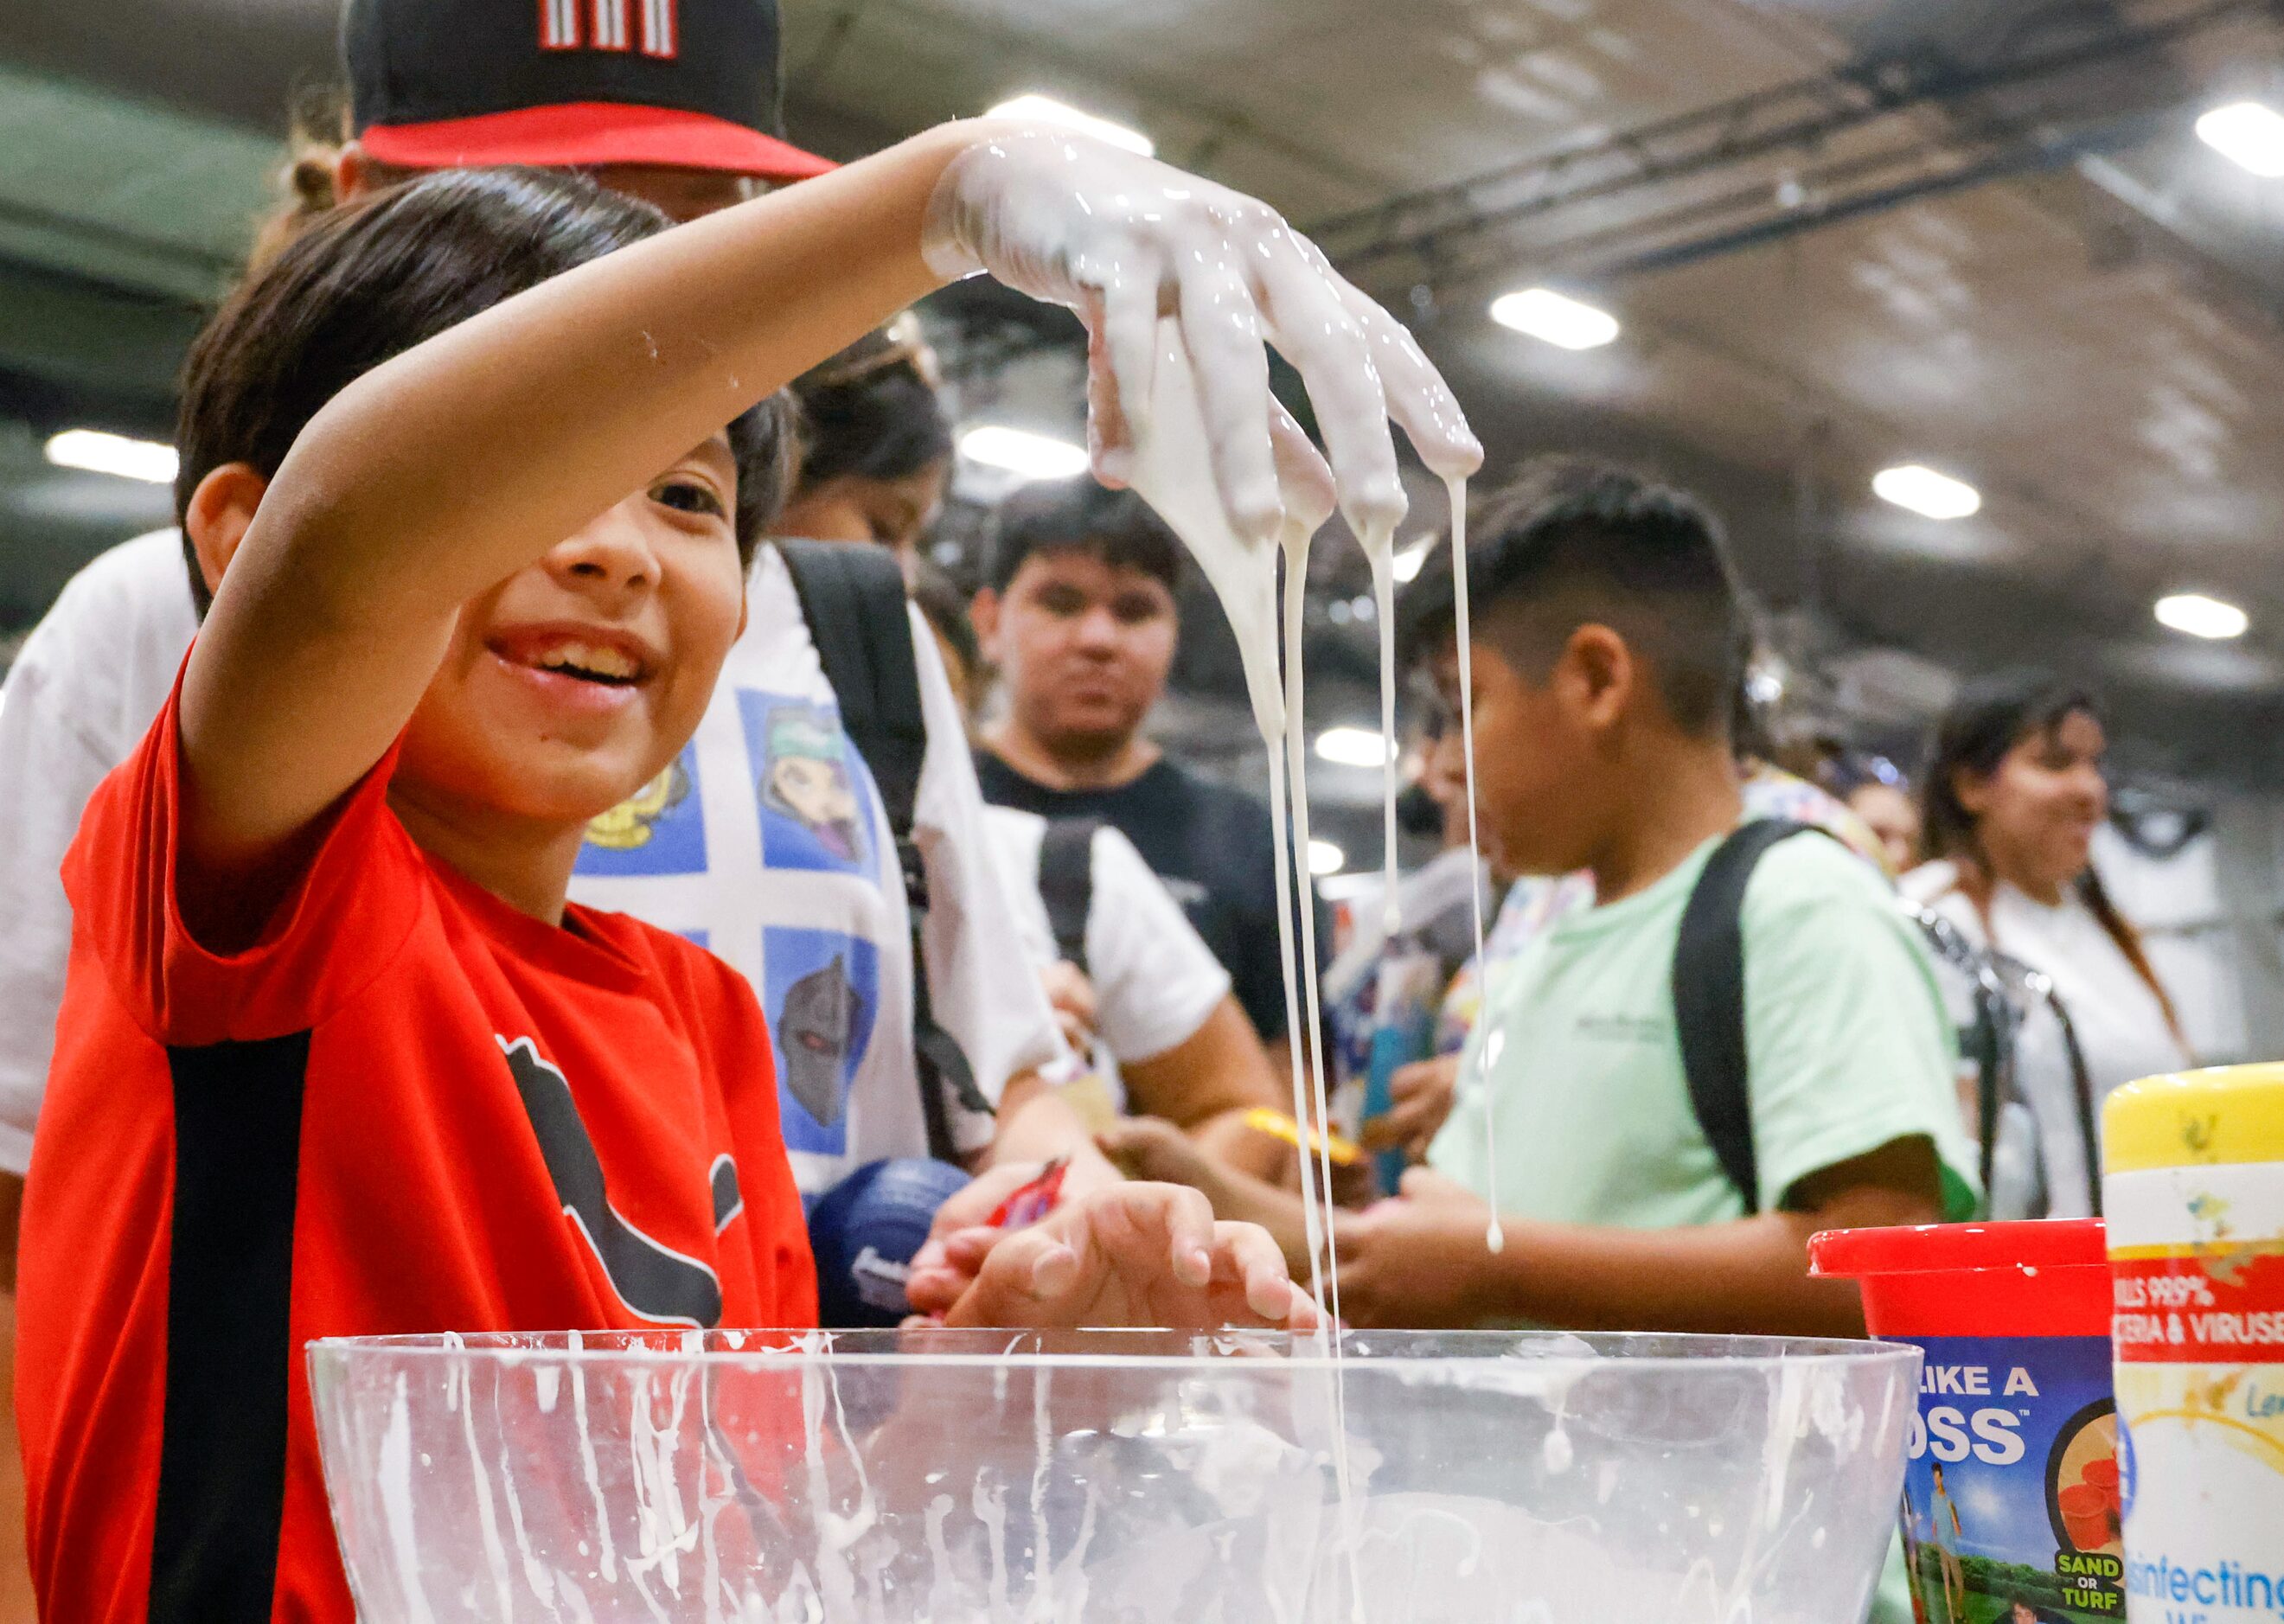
[(661, 829), (818, 1027), (821, 991), (629, 825), (812, 804)]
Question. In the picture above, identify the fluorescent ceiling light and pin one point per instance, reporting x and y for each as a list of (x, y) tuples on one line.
[(1409, 563), (1326, 858), (1546, 315), (2200, 616), (1352, 747), (1022, 453), (1927, 492), (1047, 110), (96, 452), (2248, 133)]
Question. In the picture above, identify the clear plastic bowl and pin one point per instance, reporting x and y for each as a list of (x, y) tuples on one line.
[(1124, 1477)]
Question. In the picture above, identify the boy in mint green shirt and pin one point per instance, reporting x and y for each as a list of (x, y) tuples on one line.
[(1606, 632)]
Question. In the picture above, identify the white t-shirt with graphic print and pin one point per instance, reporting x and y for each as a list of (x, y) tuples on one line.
[(767, 843)]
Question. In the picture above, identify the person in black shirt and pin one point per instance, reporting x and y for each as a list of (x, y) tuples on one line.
[(1079, 615)]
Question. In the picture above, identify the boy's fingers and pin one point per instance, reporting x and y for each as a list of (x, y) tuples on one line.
[(963, 1251), (1418, 397), (1055, 1272), (1221, 329), (1123, 370), (1304, 480), (1246, 1253), (1326, 344), (1190, 1231)]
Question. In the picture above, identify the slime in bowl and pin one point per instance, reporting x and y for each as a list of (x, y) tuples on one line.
[(1126, 1477)]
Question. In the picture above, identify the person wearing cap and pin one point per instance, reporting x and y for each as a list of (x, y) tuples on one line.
[(677, 105), (686, 118)]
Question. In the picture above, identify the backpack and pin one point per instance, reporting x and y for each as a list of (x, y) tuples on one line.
[(854, 600), (1709, 999), (1066, 883), (1708, 1009)]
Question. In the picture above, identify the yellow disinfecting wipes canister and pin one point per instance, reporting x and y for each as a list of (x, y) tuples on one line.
[(2194, 1191)]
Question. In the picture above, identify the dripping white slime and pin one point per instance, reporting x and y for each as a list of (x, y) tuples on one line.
[(1170, 445), (1494, 1040)]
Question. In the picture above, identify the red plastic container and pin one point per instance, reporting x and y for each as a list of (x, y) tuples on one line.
[(2011, 1491), (2043, 1278)]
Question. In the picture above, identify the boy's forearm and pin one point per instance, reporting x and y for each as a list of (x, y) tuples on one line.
[(465, 459), (1749, 1277)]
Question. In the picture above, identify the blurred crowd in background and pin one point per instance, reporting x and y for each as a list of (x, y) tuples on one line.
[(1741, 977)]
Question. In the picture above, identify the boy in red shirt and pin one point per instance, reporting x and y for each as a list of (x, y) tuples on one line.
[(357, 1067)]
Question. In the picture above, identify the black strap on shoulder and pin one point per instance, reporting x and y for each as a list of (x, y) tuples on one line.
[(1708, 1000), (1067, 882), (853, 599)]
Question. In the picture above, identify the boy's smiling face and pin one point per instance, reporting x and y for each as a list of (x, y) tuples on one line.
[(574, 682)]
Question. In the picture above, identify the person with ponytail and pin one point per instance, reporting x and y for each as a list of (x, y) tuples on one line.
[(2011, 793), (875, 445)]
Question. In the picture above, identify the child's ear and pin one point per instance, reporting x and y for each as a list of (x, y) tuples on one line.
[(220, 511), (1600, 673), (984, 610), (1971, 790)]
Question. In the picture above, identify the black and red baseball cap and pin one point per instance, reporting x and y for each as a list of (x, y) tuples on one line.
[(569, 84)]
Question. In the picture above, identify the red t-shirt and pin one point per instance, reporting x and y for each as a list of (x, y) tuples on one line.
[(407, 1108)]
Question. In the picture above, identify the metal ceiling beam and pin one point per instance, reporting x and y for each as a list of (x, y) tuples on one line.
[(1434, 226)]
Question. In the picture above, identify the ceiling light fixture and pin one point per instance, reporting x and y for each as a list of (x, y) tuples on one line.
[(1325, 859), (98, 452), (1352, 747), (1554, 318), (2201, 617), (1927, 492), (1408, 563), (1019, 451), (1047, 110), (2248, 133)]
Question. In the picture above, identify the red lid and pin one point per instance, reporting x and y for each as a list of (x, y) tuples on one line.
[(2040, 1243)]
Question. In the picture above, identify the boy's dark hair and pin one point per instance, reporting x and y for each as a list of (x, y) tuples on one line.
[(1082, 516), (1572, 542), (871, 412), (369, 280)]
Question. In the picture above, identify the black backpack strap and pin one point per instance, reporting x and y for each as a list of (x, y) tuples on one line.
[(1067, 882), (853, 599), (1708, 1000)]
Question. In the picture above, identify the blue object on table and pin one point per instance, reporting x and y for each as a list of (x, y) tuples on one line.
[(864, 1231), (1404, 1030)]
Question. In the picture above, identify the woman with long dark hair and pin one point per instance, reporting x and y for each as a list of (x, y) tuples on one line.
[(2012, 794)]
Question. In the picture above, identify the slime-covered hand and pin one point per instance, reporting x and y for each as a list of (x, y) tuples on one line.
[(1123, 240), (1135, 1255)]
